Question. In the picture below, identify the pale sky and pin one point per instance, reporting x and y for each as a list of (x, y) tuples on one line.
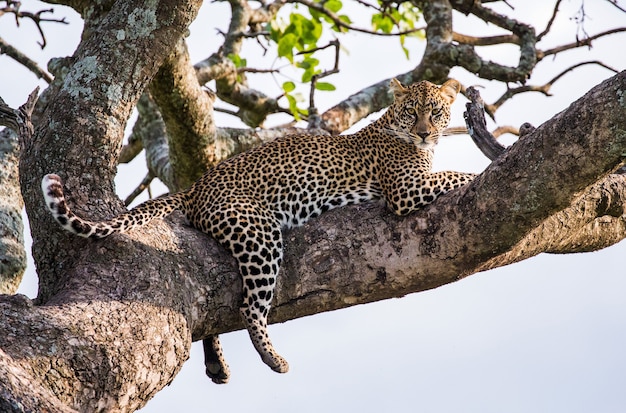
[(544, 335)]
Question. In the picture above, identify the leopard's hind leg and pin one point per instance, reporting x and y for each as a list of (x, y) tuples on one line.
[(214, 363), (254, 238)]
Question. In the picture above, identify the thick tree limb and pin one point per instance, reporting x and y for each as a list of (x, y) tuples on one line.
[(12, 249), (188, 114)]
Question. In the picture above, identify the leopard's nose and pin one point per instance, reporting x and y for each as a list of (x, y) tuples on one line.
[(423, 135)]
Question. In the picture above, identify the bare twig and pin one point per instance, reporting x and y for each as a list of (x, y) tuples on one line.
[(454, 130), (551, 21), (545, 88), (501, 130), (578, 43), (24, 60), (497, 132), (485, 41), (590, 62), (251, 35), (145, 184), (314, 119), (579, 18), (614, 3), (254, 70), (14, 8)]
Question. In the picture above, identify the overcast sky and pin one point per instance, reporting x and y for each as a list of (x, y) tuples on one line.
[(544, 335)]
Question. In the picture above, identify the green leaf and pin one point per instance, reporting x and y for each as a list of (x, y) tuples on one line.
[(237, 60), (293, 106), (325, 86), (289, 86), (344, 18), (404, 49), (286, 45), (308, 74), (308, 63), (276, 29), (333, 5), (382, 23), (308, 31), (319, 16)]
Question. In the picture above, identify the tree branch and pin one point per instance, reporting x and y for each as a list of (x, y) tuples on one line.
[(187, 110), (477, 126), (545, 88), (485, 41), (587, 41), (189, 287), (13, 7), (17, 134), (12, 250), (550, 22), (99, 352), (24, 60)]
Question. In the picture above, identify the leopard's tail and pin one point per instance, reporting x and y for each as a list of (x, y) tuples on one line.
[(52, 188)]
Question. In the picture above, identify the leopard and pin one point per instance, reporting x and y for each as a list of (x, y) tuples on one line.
[(245, 202)]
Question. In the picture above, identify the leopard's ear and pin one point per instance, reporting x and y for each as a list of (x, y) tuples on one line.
[(397, 89), (450, 89)]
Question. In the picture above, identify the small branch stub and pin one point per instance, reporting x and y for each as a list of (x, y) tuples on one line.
[(477, 126)]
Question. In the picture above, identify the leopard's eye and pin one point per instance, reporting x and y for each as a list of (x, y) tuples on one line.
[(436, 112), (410, 111)]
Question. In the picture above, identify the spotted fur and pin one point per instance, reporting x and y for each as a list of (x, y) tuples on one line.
[(244, 201)]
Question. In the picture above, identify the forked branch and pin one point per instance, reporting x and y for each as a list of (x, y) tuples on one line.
[(13, 7), (314, 119), (545, 88)]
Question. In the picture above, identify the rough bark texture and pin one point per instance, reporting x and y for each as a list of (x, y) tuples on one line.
[(12, 250), (188, 114)]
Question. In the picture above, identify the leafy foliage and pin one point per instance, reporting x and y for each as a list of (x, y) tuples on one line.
[(403, 18), (299, 36)]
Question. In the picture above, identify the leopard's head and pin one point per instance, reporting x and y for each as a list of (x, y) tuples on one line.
[(421, 111)]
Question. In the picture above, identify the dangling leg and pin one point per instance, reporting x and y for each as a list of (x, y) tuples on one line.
[(259, 264), (253, 237), (216, 367)]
